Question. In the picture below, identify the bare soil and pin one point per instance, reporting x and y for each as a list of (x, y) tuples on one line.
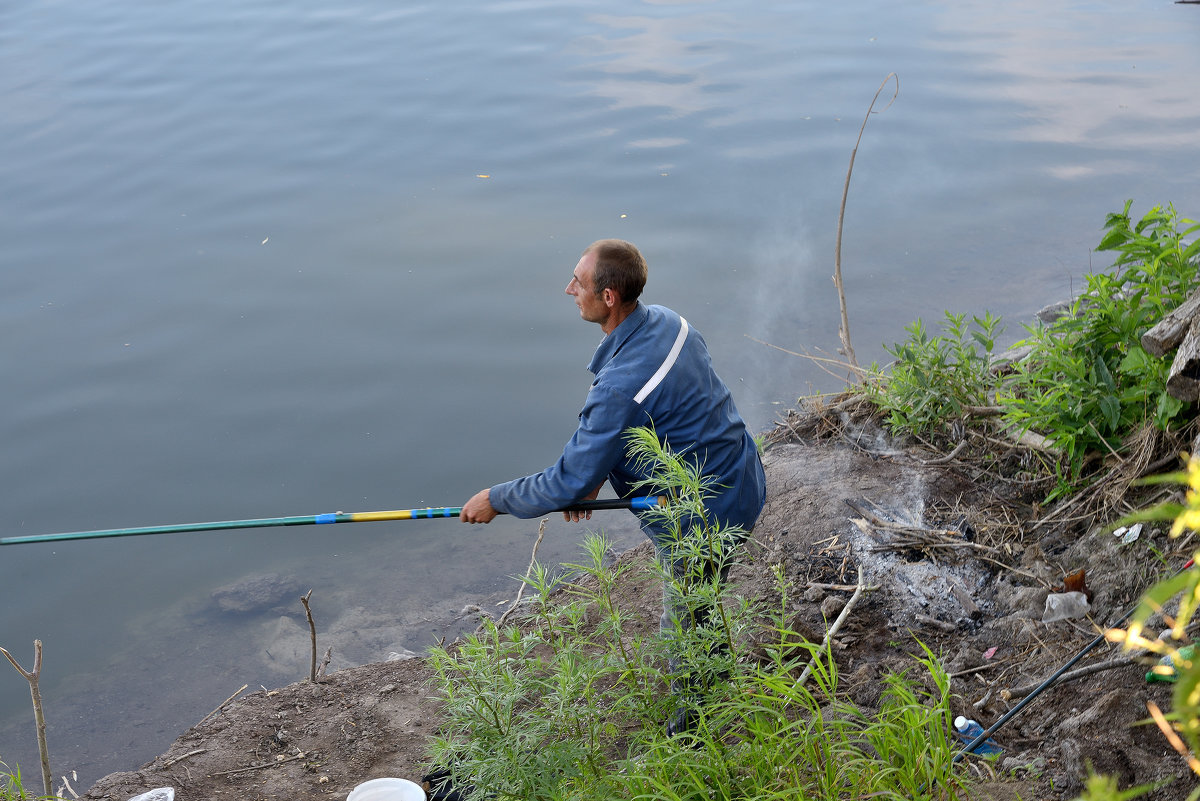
[(972, 587)]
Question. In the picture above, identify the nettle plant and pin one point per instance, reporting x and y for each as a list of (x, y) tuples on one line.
[(1088, 382), (935, 378)]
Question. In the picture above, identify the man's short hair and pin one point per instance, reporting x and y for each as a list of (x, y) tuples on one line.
[(619, 267)]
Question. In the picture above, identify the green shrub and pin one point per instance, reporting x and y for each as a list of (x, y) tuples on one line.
[(933, 379), (1089, 383)]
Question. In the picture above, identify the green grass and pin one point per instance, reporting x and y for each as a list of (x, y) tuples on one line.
[(572, 704), (10, 785)]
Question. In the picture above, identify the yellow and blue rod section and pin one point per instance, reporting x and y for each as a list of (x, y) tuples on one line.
[(634, 504)]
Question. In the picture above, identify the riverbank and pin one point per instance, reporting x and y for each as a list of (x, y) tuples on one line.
[(979, 607)]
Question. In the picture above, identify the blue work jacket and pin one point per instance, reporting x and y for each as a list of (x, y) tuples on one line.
[(651, 370)]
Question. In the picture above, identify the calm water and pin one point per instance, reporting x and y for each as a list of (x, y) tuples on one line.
[(264, 259)]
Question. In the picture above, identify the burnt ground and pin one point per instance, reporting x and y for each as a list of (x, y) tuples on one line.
[(957, 555)]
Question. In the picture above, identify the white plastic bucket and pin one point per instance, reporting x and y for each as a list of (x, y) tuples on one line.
[(387, 790)]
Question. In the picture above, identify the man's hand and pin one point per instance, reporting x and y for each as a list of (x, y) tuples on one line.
[(478, 509), (575, 517)]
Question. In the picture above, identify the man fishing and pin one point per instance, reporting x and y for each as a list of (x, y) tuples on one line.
[(651, 369)]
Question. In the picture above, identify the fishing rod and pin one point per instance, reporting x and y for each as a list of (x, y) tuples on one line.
[(633, 504)]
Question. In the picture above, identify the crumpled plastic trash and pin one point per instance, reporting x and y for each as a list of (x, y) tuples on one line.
[(1064, 605), (1129, 535), (157, 794)]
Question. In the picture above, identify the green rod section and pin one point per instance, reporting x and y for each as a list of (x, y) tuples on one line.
[(308, 520)]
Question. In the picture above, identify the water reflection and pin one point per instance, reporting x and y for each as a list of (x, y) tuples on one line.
[(666, 62), (1078, 79)]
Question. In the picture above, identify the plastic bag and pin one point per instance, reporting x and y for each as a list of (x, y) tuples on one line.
[(157, 794), (1064, 605)]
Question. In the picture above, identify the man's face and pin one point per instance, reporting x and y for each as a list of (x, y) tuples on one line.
[(592, 307)]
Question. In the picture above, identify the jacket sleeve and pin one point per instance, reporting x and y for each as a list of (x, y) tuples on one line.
[(597, 446)]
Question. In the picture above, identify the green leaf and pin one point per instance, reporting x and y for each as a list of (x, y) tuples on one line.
[(1158, 595), (1111, 408), (1168, 409)]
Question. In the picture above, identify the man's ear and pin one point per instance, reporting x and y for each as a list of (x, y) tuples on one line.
[(610, 297)]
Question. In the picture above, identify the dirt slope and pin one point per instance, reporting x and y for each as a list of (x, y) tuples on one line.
[(979, 605)]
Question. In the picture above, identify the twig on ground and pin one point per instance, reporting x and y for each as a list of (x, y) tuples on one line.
[(292, 758), (983, 411), (168, 763), (528, 570), (978, 669), (949, 457), (224, 703), (1021, 692), (837, 624), (325, 661), (67, 786), (839, 587), (937, 624)]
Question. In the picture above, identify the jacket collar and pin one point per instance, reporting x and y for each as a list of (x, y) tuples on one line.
[(612, 343)]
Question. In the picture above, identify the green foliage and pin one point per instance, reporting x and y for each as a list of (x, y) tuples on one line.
[(1089, 382), (1183, 589), (572, 707), (933, 378), (1105, 788), (10, 784), (529, 711)]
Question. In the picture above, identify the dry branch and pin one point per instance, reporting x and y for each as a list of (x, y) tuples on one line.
[(325, 660), (263, 766), (169, 762), (844, 329), (224, 703), (837, 624), (1170, 331), (1021, 692), (39, 716), (901, 536), (937, 624), (528, 570), (312, 631)]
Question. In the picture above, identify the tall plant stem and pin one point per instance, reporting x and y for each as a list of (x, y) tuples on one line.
[(844, 330), (38, 716)]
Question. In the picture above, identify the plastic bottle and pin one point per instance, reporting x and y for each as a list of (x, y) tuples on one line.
[(967, 730), (1167, 666)]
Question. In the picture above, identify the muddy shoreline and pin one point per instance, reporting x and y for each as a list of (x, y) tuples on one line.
[(979, 609)]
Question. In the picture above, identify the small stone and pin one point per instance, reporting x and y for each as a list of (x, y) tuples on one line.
[(832, 606), (258, 593)]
